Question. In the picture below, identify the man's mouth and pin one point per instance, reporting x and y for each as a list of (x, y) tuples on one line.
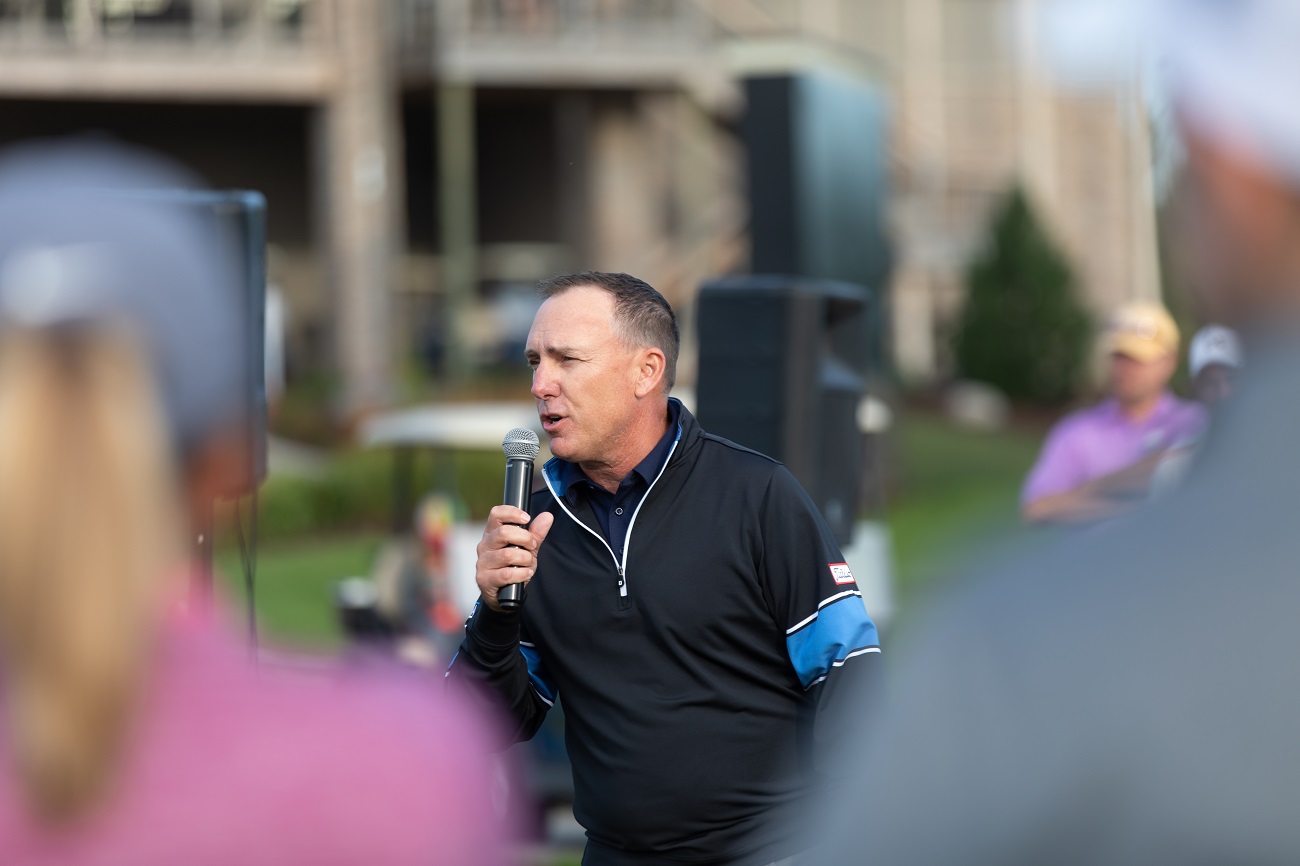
[(551, 420)]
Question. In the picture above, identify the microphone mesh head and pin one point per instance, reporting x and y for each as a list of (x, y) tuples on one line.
[(521, 442)]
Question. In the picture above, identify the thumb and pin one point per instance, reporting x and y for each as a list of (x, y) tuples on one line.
[(541, 526)]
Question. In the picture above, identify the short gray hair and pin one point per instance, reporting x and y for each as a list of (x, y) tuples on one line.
[(641, 315)]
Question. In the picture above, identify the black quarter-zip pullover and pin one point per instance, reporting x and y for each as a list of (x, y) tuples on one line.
[(701, 671)]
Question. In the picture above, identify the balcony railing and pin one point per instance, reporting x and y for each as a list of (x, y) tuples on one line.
[(241, 50), (43, 26), (569, 41), (628, 23)]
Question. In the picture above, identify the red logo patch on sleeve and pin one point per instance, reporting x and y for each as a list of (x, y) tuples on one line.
[(840, 572)]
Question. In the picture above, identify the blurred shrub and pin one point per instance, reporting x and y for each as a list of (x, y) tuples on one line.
[(356, 491), (304, 413), (1022, 329), (285, 508)]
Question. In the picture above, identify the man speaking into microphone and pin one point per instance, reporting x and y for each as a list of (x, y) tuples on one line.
[(683, 594)]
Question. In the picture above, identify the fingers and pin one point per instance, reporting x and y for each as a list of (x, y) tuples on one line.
[(541, 527), (506, 514), (507, 552), (506, 526), (507, 536), (504, 557)]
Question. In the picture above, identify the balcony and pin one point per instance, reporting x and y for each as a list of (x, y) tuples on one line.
[(560, 43), (240, 50)]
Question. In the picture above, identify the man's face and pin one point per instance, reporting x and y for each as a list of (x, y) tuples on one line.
[(584, 376), (1133, 381), (1214, 383)]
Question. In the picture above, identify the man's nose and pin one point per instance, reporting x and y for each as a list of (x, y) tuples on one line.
[(543, 382)]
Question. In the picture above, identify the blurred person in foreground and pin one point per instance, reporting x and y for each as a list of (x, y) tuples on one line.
[(1132, 697), (134, 728), (1097, 462), (687, 602)]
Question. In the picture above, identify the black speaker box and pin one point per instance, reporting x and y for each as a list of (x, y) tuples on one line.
[(817, 147), (782, 368)]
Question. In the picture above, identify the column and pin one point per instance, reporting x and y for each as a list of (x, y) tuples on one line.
[(362, 202), (458, 215)]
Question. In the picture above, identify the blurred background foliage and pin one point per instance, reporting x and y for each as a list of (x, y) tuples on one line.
[(355, 492), (1023, 329)]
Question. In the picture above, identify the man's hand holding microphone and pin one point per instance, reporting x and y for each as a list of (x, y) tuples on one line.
[(507, 553)]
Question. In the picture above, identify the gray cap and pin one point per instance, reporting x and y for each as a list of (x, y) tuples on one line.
[(82, 241)]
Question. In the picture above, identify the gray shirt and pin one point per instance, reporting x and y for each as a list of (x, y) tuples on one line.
[(1130, 695)]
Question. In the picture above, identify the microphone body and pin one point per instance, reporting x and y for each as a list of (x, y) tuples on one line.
[(521, 448)]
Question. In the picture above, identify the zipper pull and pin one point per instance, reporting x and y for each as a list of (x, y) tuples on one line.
[(621, 583)]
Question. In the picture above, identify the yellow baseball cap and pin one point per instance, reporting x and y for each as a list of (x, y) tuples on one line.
[(1141, 330)]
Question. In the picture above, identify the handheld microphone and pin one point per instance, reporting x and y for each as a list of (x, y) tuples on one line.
[(520, 447)]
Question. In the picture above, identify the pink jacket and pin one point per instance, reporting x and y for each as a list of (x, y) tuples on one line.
[(236, 765)]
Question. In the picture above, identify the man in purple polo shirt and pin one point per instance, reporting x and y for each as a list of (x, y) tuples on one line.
[(1097, 462)]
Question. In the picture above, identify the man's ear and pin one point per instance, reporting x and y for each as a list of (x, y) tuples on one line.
[(649, 371)]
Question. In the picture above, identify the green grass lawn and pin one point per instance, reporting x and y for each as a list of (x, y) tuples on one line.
[(954, 490), (295, 584), (957, 491)]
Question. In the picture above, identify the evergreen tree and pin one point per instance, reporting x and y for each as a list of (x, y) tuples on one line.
[(1022, 329)]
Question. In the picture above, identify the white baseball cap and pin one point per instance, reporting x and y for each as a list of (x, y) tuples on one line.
[(1213, 344)]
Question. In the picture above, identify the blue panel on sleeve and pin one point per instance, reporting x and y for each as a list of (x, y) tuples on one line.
[(537, 675), (839, 629)]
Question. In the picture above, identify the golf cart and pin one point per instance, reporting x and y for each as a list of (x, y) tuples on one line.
[(422, 588)]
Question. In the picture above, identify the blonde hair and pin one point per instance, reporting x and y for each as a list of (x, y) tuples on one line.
[(89, 520)]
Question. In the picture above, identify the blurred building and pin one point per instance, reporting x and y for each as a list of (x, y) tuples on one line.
[(291, 98), (427, 160), (973, 114)]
